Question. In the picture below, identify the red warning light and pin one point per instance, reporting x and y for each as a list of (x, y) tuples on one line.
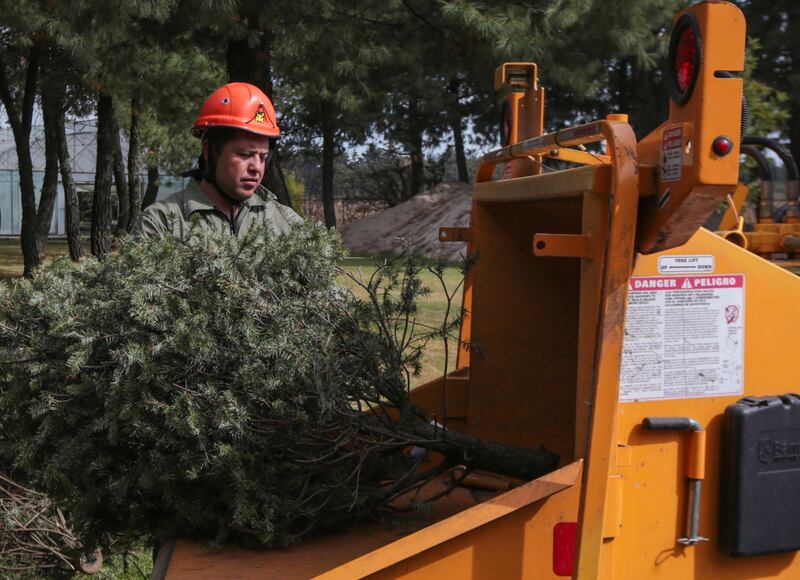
[(683, 60), (722, 145)]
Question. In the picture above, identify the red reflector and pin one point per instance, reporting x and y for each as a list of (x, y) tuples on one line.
[(722, 146), (565, 536), (685, 58)]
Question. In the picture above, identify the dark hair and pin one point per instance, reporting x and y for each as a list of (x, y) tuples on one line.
[(217, 138)]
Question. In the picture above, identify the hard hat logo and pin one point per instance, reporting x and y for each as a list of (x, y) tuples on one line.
[(238, 106)]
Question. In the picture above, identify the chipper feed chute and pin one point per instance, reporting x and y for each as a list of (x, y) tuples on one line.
[(607, 325)]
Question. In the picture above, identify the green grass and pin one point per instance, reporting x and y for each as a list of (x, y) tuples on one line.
[(11, 255), (431, 312)]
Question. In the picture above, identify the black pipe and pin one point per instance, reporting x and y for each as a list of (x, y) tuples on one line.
[(764, 170), (793, 184), (766, 203), (780, 151)]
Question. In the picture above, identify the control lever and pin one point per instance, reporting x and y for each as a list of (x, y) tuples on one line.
[(695, 471)]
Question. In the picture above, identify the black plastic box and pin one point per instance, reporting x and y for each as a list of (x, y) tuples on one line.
[(760, 495)]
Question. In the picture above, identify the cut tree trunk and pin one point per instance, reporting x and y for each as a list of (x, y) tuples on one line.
[(464, 449), (134, 165), (101, 199), (72, 205), (328, 134), (476, 453)]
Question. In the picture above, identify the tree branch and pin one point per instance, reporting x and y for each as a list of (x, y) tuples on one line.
[(430, 25)]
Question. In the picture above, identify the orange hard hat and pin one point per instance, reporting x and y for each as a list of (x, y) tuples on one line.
[(238, 106)]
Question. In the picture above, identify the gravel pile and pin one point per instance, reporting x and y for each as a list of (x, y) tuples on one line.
[(418, 221)]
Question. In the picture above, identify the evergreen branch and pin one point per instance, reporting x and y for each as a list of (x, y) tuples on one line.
[(436, 29)]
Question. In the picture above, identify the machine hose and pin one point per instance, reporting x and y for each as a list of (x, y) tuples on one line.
[(793, 185), (764, 170), (765, 202), (780, 151)]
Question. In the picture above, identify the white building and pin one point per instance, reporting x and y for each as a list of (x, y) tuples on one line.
[(82, 144)]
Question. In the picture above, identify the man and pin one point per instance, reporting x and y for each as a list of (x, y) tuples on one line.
[(237, 127)]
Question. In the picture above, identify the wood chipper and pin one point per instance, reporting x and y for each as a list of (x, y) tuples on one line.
[(653, 355)]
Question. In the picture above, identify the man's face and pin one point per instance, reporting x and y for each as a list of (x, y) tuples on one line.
[(241, 164)]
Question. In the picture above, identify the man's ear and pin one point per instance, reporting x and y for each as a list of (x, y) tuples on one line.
[(205, 150)]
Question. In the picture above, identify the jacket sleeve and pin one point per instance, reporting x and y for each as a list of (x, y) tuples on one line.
[(280, 217), (151, 223), (289, 215)]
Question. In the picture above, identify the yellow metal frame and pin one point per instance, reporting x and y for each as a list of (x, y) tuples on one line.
[(616, 245), (540, 355)]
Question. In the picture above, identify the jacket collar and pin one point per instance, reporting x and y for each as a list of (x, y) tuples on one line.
[(197, 200)]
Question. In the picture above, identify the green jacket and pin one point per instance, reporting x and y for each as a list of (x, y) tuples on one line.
[(174, 214)]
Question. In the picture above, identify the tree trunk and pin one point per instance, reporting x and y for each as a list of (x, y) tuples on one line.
[(250, 64), (121, 183), (30, 255), (253, 64), (51, 110), (72, 205), (274, 180), (461, 157), (415, 146), (134, 165), (477, 453), (328, 133), (153, 183), (101, 200), (21, 121)]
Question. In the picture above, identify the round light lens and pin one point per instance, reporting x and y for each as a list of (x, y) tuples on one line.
[(685, 58), (722, 145)]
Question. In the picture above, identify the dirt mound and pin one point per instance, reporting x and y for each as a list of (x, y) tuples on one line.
[(418, 221)]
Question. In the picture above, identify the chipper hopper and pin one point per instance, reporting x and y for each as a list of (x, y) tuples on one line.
[(654, 356)]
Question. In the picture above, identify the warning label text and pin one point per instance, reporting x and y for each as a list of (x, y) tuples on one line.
[(671, 153), (684, 337)]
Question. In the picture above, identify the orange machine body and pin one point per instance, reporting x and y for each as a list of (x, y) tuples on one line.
[(545, 355)]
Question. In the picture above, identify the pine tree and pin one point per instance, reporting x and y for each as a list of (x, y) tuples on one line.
[(223, 389), (327, 56), (20, 55)]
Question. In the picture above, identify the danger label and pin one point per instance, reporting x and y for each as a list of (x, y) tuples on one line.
[(684, 337), (671, 147)]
